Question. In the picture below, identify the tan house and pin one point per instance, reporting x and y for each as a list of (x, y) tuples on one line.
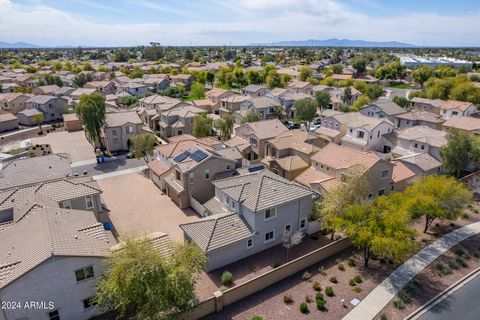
[(457, 108), (429, 105), (103, 87), (234, 103), (332, 164), (300, 87), (14, 102), (466, 124), (119, 127), (77, 93), (8, 122), (178, 120), (217, 94), (47, 90)]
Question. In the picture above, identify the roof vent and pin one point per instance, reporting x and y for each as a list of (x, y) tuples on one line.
[(76, 236)]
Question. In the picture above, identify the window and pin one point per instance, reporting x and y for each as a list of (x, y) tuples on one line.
[(129, 129), (288, 228), (228, 167), (360, 134), (384, 173), (381, 192), (67, 204), (249, 243), (303, 223), (207, 174), (378, 133), (191, 177), (415, 145), (253, 141), (87, 303), (272, 110), (54, 315), (393, 187), (89, 202), (422, 147), (270, 213), (84, 273), (177, 174), (370, 195), (351, 130), (269, 236)]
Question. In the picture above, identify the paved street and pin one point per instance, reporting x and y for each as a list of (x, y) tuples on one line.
[(112, 165), (386, 291), (461, 304)]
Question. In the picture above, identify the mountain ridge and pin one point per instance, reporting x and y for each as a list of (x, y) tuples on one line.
[(334, 42)]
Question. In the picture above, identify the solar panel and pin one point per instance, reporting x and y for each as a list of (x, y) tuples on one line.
[(198, 155), (182, 156), (256, 167)]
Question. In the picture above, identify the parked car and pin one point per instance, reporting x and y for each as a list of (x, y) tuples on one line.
[(293, 125), (314, 127)]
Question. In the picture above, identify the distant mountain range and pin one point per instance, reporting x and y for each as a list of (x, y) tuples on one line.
[(18, 45), (335, 43)]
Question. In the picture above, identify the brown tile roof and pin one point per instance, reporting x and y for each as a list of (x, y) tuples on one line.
[(292, 163), (158, 167), (463, 123), (117, 119), (216, 92), (266, 129), (418, 115), (401, 172), (435, 138), (311, 176), (339, 157), (460, 105), (296, 140)]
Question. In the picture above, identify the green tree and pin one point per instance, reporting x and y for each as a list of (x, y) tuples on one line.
[(323, 99), (360, 64), (197, 91), (305, 73), (153, 52), (251, 116), (209, 77), (437, 197), (347, 95), (91, 111), (143, 145), (363, 100), (140, 280), (273, 80), (337, 69), (421, 74), (37, 120), (381, 228), (306, 110), (225, 126), (81, 79), (120, 55), (353, 189), (254, 77), (373, 91), (202, 125), (401, 101), (87, 67), (461, 150)]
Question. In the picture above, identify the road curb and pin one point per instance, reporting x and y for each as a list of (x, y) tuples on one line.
[(424, 308)]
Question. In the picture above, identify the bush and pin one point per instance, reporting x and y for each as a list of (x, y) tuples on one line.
[(341, 267), (333, 280), (304, 308), (306, 276), (398, 304), (226, 278), (358, 279), (443, 269), (475, 210), (287, 299), (308, 299), (462, 253), (351, 263), (257, 318), (384, 317), (275, 264), (453, 264), (357, 289), (461, 262), (352, 283), (320, 301), (329, 291), (411, 291), (316, 286)]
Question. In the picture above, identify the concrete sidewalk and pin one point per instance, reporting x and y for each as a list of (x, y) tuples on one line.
[(119, 173), (386, 291)]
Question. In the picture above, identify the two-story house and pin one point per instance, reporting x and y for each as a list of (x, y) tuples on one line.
[(249, 213), (423, 104), (465, 124), (265, 106), (457, 108), (254, 90), (300, 87), (132, 88), (52, 107), (232, 103), (178, 120), (418, 118), (382, 108), (189, 183), (119, 127), (185, 80), (103, 87), (151, 107)]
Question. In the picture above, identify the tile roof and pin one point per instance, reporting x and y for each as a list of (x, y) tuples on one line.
[(46, 233), (387, 106), (265, 129), (254, 88), (216, 92), (432, 102), (463, 123), (356, 120), (298, 84), (40, 99), (292, 163), (7, 117), (340, 157), (265, 102), (261, 190), (295, 140), (401, 172), (419, 115), (117, 119), (311, 176), (460, 105), (217, 231), (158, 167), (435, 138), (424, 161)]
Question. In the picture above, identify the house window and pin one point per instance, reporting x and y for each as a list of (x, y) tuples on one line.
[(351, 130), (393, 187), (303, 223), (272, 110), (129, 129), (360, 134), (384, 173), (253, 141), (84, 273), (207, 174), (249, 243), (66, 204), (191, 177), (89, 202), (54, 315), (114, 136), (370, 195), (381, 192), (378, 133), (270, 213), (87, 303), (422, 147), (228, 167), (416, 145), (270, 236), (177, 174), (288, 228)]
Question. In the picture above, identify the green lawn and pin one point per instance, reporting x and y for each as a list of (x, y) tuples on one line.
[(400, 86)]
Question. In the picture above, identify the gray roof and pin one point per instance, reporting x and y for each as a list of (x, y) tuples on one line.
[(117, 119), (387, 106), (424, 161), (19, 172), (49, 232), (254, 88), (40, 99), (265, 102), (30, 112), (261, 190), (217, 231)]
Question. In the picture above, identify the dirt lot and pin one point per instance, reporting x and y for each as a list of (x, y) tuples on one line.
[(138, 206), (73, 143)]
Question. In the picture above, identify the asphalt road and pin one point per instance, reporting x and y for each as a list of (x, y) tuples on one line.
[(109, 166), (463, 304)]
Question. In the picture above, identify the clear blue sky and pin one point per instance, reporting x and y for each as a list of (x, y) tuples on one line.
[(218, 22)]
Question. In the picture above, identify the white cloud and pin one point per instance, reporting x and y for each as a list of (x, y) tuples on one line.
[(254, 21)]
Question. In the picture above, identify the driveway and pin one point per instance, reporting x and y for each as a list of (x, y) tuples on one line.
[(73, 143), (138, 207)]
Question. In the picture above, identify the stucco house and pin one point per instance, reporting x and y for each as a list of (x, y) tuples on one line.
[(254, 90), (423, 104), (249, 213), (466, 124), (119, 127), (300, 87), (103, 87), (457, 108), (178, 120), (132, 88), (8, 122), (232, 103), (13, 102), (265, 106), (382, 108), (418, 118), (52, 107)]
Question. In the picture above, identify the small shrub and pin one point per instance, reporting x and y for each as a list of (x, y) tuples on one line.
[(329, 291), (341, 267), (357, 289), (475, 210), (308, 299), (465, 215), (321, 270), (411, 291), (226, 278), (287, 299), (398, 304), (462, 253), (306, 276), (443, 269), (461, 262), (351, 263), (316, 286), (257, 318), (304, 308), (352, 283), (453, 264), (358, 279), (320, 301), (275, 264), (384, 317), (333, 280)]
